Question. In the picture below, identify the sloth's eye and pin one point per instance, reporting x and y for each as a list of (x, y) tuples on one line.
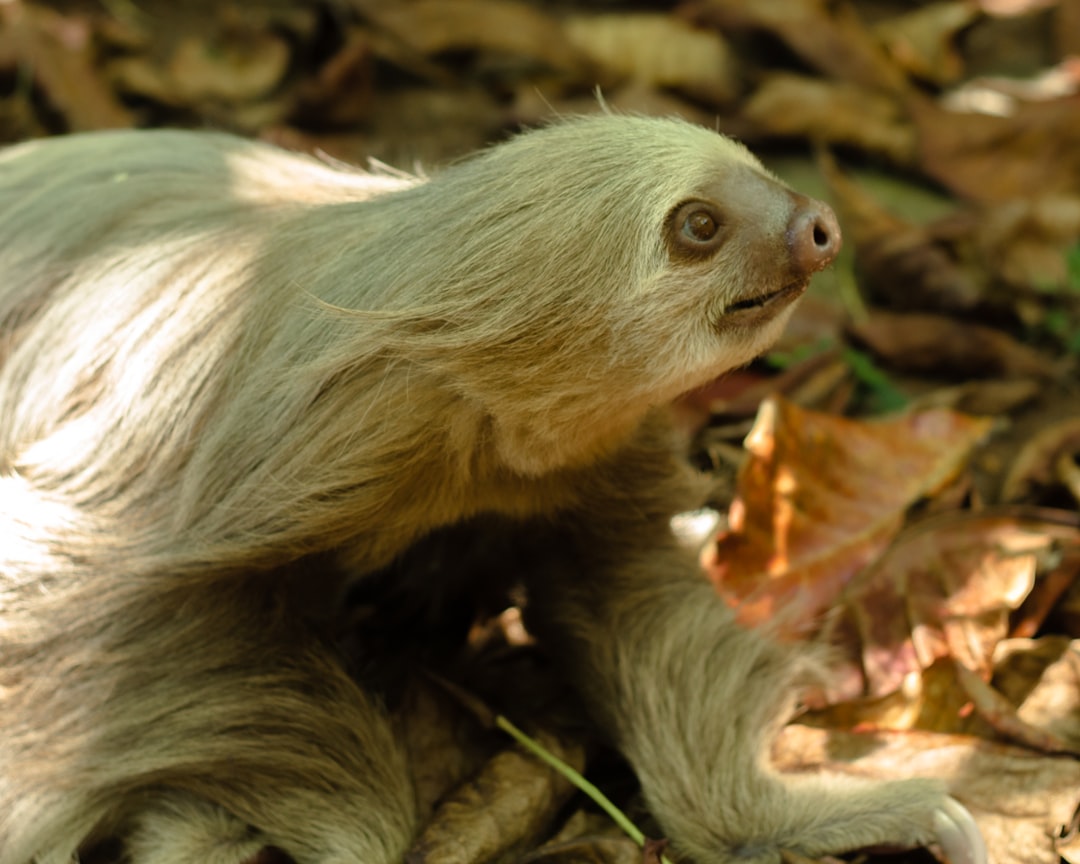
[(700, 226), (694, 231)]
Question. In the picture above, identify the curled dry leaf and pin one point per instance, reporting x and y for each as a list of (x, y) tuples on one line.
[(588, 836), (1024, 241), (508, 27), (828, 36), (1067, 28), (839, 112), (342, 92), (988, 158), (1041, 677), (587, 850), (657, 50), (1002, 716), (938, 345), (945, 589), (805, 382), (1020, 799), (902, 264), (820, 497), (229, 63), (240, 66), (1051, 592), (443, 742), (502, 810), (653, 851), (1038, 462), (923, 41), (993, 398), (57, 50), (1067, 841), (999, 95)]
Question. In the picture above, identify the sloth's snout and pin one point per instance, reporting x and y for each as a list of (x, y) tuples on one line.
[(813, 236)]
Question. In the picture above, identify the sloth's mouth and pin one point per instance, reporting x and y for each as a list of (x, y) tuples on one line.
[(760, 301)]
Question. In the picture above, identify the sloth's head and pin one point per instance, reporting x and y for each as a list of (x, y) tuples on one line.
[(609, 261)]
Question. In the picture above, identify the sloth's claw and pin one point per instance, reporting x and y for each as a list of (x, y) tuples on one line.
[(958, 835)]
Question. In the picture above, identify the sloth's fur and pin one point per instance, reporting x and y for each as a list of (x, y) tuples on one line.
[(233, 378)]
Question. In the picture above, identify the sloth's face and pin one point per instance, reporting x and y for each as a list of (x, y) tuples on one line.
[(757, 243), (738, 248), (625, 262)]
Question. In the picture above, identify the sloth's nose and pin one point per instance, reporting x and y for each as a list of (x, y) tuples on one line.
[(813, 236)]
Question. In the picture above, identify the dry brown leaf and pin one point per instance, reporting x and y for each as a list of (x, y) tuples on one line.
[(1024, 241), (466, 119), (1001, 715), (901, 264), (1067, 28), (19, 119), (1020, 799), (1000, 95), (1042, 678), (586, 850), (1050, 596), (828, 36), (226, 62), (993, 398), (502, 810), (840, 112), (931, 700), (588, 836), (1067, 841), (820, 497), (1067, 611), (923, 41), (507, 27), (1036, 465), (938, 345), (658, 50), (1034, 151), (57, 50), (945, 589), (443, 742), (653, 851), (343, 90), (240, 66), (740, 393)]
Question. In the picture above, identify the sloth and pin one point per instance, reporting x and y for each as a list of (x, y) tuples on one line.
[(235, 381)]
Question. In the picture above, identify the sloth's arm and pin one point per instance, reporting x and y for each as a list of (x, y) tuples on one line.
[(693, 700)]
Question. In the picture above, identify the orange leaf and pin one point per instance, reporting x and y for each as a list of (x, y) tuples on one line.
[(820, 497)]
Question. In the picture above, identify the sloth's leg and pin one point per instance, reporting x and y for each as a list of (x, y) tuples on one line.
[(191, 713), (692, 700), (324, 827), (178, 828), (309, 765)]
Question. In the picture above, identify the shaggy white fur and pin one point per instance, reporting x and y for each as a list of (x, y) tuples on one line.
[(219, 360)]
